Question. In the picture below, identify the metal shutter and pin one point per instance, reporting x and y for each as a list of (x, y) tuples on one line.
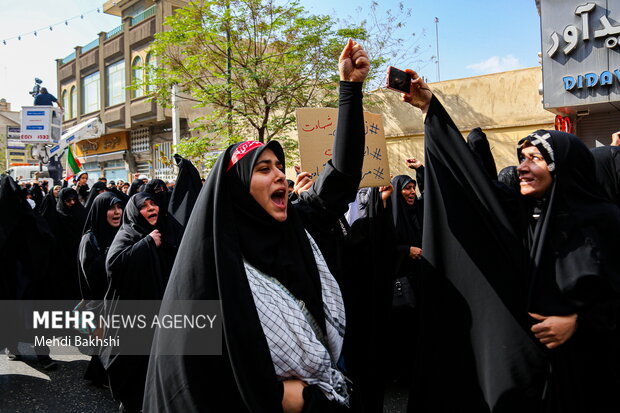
[(598, 126)]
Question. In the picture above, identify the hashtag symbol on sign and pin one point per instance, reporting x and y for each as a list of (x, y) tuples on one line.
[(378, 173), (376, 154), (374, 128)]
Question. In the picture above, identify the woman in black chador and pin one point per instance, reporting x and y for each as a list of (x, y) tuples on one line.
[(407, 219), (521, 302), (102, 223), (574, 273), (283, 316), (138, 265), (407, 215), (97, 189), (607, 161), (66, 223)]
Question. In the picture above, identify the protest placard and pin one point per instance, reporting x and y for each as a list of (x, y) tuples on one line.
[(316, 128)]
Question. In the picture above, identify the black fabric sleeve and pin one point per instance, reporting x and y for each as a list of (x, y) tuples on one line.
[(316, 402), (348, 154), (419, 177), (403, 250), (328, 199), (602, 317), (479, 145), (37, 195), (92, 266), (127, 267)]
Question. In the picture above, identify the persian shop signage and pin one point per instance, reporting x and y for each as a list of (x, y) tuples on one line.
[(571, 34), (590, 80), (580, 52), (108, 143)]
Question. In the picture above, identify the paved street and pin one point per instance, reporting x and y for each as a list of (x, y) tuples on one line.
[(26, 388)]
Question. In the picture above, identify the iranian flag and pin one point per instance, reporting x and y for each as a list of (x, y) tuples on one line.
[(74, 164)]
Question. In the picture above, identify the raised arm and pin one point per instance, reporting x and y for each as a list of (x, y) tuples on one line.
[(348, 154), (337, 184)]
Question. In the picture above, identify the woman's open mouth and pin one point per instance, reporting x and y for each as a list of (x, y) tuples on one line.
[(279, 198)]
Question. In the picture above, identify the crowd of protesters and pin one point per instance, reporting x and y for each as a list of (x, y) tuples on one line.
[(478, 291)]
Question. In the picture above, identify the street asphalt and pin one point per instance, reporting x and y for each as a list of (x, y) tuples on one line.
[(25, 387)]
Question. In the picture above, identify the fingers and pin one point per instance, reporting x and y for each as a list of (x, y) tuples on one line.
[(359, 55), (361, 62), (357, 51), (306, 186), (301, 177), (538, 316), (346, 52), (303, 182)]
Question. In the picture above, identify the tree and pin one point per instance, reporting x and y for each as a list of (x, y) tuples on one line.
[(251, 63)]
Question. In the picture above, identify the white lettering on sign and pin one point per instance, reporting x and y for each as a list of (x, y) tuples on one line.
[(571, 33)]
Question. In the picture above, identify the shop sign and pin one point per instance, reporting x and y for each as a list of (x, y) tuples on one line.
[(109, 143), (581, 52), (13, 132), (572, 35), (590, 79)]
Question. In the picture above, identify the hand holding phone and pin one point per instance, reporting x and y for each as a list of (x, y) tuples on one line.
[(398, 80)]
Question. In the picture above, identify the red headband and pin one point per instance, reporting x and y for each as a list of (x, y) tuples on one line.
[(242, 150)]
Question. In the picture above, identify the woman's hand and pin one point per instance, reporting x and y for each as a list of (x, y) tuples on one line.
[(156, 235), (420, 94), (353, 64), (303, 182), (386, 191), (413, 163), (415, 253), (553, 331), (293, 399)]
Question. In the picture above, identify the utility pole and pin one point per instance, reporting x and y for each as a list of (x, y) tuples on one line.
[(229, 70), (437, 37), (176, 124)]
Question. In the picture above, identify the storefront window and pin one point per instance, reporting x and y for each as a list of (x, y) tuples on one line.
[(93, 170), (115, 170)]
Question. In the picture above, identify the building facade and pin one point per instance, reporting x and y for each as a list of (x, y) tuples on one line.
[(581, 66), (98, 80), (12, 151), (507, 106)]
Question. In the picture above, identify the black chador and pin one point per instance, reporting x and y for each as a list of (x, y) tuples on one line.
[(229, 234), (66, 223)]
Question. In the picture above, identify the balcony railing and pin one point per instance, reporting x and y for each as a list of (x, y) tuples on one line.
[(144, 15), (68, 58), (114, 32), (90, 46)]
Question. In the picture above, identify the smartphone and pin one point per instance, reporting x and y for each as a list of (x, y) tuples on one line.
[(398, 80)]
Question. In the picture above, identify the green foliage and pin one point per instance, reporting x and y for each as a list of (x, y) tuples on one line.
[(251, 63), (280, 58)]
